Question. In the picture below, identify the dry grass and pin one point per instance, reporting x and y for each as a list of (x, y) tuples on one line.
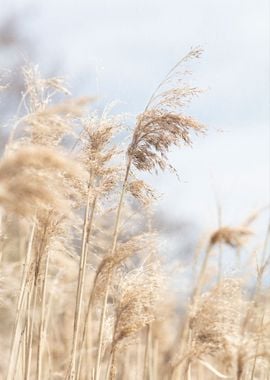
[(85, 293)]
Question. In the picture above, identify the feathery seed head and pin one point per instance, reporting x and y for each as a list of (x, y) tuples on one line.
[(233, 236), (217, 318), (35, 178), (156, 132), (45, 123), (138, 297), (163, 124), (141, 191)]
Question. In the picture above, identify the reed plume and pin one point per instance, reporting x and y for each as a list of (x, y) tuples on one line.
[(163, 124), (40, 178), (138, 295), (232, 236)]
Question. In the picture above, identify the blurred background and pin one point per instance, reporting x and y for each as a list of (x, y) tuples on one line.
[(120, 50)]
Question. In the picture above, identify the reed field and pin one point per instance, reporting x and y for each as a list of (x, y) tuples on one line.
[(85, 293)]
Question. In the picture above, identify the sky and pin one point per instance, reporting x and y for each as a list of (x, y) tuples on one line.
[(121, 49)]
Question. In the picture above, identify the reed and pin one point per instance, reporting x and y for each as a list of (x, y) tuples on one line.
[(85, 291)]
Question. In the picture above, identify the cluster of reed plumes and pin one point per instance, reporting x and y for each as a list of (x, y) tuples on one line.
[(85, 293)]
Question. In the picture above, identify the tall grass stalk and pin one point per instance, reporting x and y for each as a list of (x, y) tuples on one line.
[(42, 323), (19, 324), (108, 282), (80, 287)]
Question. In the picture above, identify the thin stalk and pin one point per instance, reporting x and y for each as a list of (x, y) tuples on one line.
[(184, 336), (114, 242), (146, 354), (42, 323), (19, 311), (155, 360), (187, 364), (189, 371), (250, 310), (199, 286), (24, 345), (257, 345), (118, 215), (1, 233), (150, 354), (127, 365), (27, 330), (108, 371), (20, 361), (112, 363), (83, 374), (111, 369), (34, 298), (138, 359), (85, 322), (31, 317), (175, 368), (72, 374), (100, 334)]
